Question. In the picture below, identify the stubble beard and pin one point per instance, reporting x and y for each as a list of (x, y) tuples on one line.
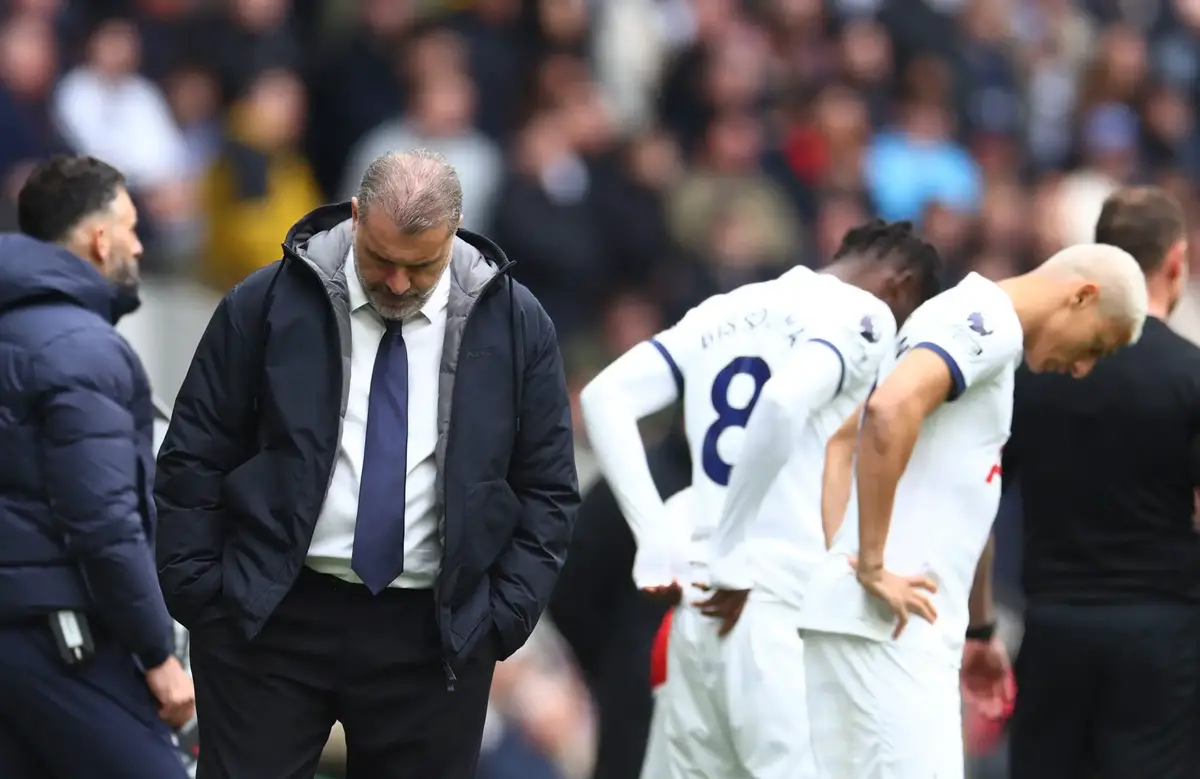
[(392, 308), (124, 275)]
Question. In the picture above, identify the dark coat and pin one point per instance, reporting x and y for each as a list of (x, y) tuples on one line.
[(254, 436), (76, 422)]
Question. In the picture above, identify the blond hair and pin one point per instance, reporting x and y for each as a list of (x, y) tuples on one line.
[(1123, 295)]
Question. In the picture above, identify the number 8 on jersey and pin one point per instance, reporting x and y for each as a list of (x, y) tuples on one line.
[(729, 415)]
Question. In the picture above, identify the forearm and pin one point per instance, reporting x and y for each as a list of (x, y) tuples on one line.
[(522, 580), (765, 450), (886, 441), (124, 589), (542, 477), (835, 486), (980, 606), (524, 575), (808, 382), (90, 463), (638, 384), (616, 441)]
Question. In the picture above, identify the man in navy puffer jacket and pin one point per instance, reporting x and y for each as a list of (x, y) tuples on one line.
[(76, 511)]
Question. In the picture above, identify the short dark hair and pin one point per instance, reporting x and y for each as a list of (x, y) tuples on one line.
[(1144, 221), (63, 191), (887, 241)]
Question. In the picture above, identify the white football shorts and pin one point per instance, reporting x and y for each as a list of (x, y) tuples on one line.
[(736, 707), (881, 712), (656, 763)]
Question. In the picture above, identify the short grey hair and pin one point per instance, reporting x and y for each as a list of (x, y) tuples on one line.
[(1123, 294), (418, 190)]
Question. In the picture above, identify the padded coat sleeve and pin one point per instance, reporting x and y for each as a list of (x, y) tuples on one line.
[(542, 475), (89, 455)]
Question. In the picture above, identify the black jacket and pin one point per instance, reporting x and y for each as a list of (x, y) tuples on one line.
[(76, 421), (253, 439)]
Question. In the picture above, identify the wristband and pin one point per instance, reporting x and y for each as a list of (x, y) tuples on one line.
[(984, 632)]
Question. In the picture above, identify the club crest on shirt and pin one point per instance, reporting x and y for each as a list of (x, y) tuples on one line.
[(867, 330), (975, 320)]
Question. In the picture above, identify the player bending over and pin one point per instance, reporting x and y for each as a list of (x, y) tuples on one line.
[(883, 692), (719, 359)]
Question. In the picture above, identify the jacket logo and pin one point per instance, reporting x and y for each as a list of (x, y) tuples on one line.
[(475, 353)]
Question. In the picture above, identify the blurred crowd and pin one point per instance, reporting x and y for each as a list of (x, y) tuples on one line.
[(633, 156)]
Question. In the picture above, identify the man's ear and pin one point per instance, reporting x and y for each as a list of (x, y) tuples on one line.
[(1176, 263), (354, 211), (97, 240), (1085, 294)]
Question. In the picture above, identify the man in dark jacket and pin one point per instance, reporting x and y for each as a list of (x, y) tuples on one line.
[(367, 488), (85, 639)]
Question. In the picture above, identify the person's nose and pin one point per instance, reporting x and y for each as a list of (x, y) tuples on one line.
[(137, 248), (398, 282)]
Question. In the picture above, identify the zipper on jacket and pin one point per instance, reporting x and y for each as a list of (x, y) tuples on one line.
[(450, 677)]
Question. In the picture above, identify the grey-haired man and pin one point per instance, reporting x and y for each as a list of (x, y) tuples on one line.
[(367, 489)]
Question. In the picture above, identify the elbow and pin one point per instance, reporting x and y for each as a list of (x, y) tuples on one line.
[(104, 540), (840, 447), (775, 398), (884, 416), (774, 408), (592, 401)]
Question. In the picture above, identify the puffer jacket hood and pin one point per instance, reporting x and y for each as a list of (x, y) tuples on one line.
[(32, 270)]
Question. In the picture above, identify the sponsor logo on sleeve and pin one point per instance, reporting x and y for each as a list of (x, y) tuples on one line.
[(975, 321), (867, 330)]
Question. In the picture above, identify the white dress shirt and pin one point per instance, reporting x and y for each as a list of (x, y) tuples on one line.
[(333, 539)]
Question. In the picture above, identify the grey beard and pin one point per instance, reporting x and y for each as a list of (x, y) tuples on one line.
[(407, 306), (404, 307)]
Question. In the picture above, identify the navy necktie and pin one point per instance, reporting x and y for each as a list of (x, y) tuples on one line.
[(378, 556)]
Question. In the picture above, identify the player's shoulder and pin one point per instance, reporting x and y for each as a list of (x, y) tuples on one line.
[(975, 303), (846, 306)]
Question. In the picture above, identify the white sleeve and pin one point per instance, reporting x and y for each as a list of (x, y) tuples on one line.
[(639, 383), (975, 344), (861, 336), (812, 378)]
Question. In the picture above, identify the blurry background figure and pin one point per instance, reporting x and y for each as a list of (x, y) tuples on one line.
[(259, 181), (28, 67), (632, 156), (440, 116), (106, 108)]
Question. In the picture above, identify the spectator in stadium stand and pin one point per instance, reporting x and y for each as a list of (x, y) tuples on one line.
[(88, 681), (1106, 466), (367, 488)]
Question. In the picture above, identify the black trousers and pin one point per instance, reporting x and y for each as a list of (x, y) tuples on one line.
[(97, 720), (1107, 692), (333, 651)]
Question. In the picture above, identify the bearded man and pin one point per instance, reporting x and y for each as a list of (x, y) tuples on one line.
[(367, 488)]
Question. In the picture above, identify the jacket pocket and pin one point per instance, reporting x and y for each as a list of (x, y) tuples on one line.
[(256, 488), (492, 513)]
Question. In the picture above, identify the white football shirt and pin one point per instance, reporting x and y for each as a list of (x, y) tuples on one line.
[(947, 498), (725, 350)]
